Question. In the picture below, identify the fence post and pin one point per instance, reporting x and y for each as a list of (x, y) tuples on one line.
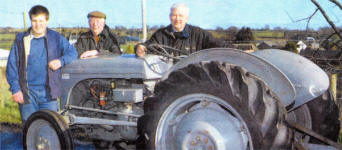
[(333, 86)]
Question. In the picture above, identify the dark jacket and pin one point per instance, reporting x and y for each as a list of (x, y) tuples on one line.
[(192, 39), (108, 41), (57, 48)]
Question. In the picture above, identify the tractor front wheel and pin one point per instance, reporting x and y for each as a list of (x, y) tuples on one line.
[(46, 129)]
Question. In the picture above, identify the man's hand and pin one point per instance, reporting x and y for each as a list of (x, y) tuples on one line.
[(55, 64), (18, 97), (89, 54), (141, 50)]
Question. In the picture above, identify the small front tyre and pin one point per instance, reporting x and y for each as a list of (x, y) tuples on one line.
[(46, 130)]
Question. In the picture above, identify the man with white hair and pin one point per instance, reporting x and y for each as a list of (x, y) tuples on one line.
[(98, 39), (179, 34)]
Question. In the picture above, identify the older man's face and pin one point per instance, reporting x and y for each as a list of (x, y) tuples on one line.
[(96, 25), (179, 17)]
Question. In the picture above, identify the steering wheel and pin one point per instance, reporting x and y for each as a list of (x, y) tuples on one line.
[(163, 51)]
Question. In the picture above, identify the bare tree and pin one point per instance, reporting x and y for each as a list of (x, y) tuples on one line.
[(330, 61), (336, 32)]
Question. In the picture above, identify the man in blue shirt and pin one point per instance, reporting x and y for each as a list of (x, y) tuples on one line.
[(34, 65)]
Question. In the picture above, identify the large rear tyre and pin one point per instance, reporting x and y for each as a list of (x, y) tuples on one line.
[(320, 115), (325, 117), (46, 129), (213, 105)]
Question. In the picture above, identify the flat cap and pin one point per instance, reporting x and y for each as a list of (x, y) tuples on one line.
[(96, 14)]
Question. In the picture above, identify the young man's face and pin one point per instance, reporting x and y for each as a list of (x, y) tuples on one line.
[(96, 25), (179, 17), (39, 24)]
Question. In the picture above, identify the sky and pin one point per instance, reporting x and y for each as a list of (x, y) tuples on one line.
[(208, 14)]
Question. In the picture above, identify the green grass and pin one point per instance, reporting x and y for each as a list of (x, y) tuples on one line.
[(128, 48), (6, 40), (6, 45), (9, 110), (268, 34), (7, 36)]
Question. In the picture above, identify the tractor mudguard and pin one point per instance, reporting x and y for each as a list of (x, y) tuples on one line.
[(277, 80), (309, 80)]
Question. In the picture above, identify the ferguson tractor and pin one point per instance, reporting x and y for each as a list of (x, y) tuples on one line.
[(214, 99)]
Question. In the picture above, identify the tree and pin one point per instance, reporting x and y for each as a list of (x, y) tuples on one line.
[(291, 46), (155, 27), (218, 28), (231, 33), (267, 27), (335, 29), (245, 34), (277, 28), (232, 29)]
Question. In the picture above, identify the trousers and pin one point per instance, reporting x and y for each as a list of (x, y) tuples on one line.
[(39, 99)]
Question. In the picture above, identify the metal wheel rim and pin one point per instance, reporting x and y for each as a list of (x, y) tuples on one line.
[(41, 135), (304, 120), (176, 112)]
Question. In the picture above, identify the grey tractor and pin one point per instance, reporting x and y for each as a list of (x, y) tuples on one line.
[(214, 99)]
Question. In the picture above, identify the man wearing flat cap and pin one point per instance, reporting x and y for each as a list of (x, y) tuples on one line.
[(98, 39)]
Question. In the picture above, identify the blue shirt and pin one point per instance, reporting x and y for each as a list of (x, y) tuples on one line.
[(16, 71), (37, 63)]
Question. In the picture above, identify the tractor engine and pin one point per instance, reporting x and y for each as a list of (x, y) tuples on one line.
[(106, 109), (102, 97)]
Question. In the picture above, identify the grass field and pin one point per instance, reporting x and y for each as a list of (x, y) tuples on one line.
[(7, 36), (268, 34), (6, 40), (9, 110), (6, 45), (128, 48)]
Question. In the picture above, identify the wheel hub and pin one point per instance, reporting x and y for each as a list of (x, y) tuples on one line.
[(200, 141), (42, 144), (201, 121), (46, 136), (208, 128)]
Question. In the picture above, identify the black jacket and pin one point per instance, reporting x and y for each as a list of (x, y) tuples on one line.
[(108, 41), (192, 39)]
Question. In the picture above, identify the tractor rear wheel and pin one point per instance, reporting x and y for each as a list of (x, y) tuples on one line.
[(213, 105), (325, 117)]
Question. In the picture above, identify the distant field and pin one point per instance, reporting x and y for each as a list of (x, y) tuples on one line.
[(5, 45), (6, 40), (9, 110), (268, 34), (7, 36), (218, 35), (128, 48)]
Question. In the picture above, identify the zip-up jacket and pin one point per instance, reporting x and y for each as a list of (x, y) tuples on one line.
[(107, 42), (57, 48), (190, 40)]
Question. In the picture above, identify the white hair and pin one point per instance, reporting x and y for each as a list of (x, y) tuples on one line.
[(180, 5)]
